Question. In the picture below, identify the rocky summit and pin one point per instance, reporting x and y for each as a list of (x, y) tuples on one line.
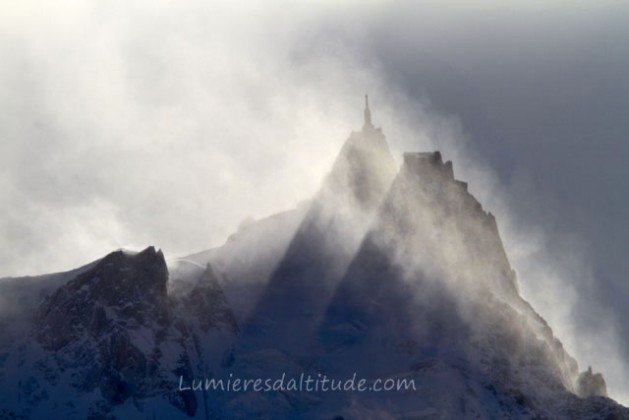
[(114, 336), (387, 275)]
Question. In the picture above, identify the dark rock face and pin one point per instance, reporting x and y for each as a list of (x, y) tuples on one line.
[(115, 317), (121, 289), (206, 304), (116, 330)]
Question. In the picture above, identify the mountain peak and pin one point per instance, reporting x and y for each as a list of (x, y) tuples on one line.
[(123, 285), (114, 328), (363, 170)]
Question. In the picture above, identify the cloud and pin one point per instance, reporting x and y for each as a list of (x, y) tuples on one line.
[(178, 120)]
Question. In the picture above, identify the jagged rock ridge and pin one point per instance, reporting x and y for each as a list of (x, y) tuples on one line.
[(113, 336)]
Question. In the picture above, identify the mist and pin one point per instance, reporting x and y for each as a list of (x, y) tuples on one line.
[(129, 124), (167, 129)]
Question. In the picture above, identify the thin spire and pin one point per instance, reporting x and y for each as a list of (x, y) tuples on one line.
[(368, 123)]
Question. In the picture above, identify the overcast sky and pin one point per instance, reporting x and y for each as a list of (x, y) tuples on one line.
[(127, 124)]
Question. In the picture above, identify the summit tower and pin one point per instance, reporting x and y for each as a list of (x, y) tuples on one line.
[(368, 125)]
